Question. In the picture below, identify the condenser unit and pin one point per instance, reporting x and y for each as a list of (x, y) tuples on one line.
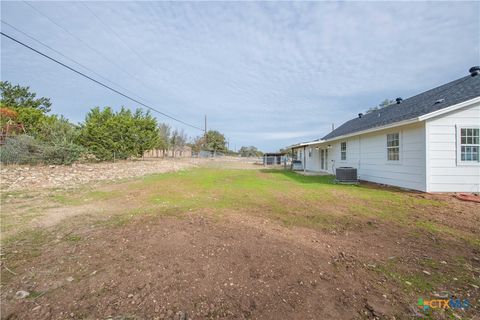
[(346, 175)]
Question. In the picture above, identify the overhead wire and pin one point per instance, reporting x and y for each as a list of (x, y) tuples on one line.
[(98, 82), (111, 30), (83, 42), (67, 57)]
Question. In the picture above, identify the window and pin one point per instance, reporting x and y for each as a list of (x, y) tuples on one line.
[(343, 150), (310, 152), (393, 146), (469, 144)]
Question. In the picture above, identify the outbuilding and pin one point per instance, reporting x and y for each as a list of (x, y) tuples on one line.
[(274, 158)]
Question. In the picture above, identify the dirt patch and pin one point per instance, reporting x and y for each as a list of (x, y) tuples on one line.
[(197, 266), (239, 267)]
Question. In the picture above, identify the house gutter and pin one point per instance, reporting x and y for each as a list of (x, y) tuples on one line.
[(393, 125)]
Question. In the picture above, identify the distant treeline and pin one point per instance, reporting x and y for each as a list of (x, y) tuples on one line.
[(31, 134)]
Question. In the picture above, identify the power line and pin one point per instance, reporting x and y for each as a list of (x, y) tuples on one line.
[(132, 49), (118, 36), (66, 57), (98, 82), (97, 51), (84, 43)]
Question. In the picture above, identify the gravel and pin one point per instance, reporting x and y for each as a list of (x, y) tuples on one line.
[(16, 177)]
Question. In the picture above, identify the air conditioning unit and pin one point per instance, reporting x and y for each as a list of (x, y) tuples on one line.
[(346, 175)]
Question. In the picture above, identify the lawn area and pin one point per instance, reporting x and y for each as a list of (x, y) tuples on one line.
[(225, 243)]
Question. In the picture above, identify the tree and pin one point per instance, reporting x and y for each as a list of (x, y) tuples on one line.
[(7, 114), (28, 110), (32, 119), (20, 97), (215, 141), (382, 104), (48, 138), (108, 134), (145, 131), (197, 144), (178, 140), (250, 152), (164, 137)]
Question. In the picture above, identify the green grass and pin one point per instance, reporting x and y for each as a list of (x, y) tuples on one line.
[(433, 227), (290, 198), (82, 196), (73, 238), (287, 197), (35, 294), (417, 282), (22, 246), (66, 200)]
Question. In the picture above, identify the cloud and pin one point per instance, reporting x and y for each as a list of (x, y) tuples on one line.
[(277, 135), (261, 71)]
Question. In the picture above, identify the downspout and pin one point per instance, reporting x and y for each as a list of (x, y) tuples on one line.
[(359, 155)]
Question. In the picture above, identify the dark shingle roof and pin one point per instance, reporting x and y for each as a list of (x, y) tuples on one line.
[(457, 91)]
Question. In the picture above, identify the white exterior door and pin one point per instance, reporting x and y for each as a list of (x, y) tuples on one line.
[(324, 159)]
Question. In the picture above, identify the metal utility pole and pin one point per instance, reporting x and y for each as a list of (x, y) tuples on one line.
[(205, 130)]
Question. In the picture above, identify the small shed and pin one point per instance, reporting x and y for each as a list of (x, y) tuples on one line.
[(274, 158)]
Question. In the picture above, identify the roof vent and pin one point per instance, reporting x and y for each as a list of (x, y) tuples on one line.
[(439, 101), (399, 100), (360, 115), (474, 71)]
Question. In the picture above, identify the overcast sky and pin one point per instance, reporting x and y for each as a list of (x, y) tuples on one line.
[(266, 74)]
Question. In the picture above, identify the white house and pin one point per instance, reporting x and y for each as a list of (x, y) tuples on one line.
[(429, 142)]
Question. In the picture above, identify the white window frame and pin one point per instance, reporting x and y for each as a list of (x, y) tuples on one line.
[(343, 151), (461, 162), (387, 147), (310, 151)]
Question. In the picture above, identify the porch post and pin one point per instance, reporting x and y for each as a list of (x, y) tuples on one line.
[(304, 159)]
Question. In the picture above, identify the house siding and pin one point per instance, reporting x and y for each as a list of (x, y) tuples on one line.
[(312, 162), (445, 173), (368, 153)]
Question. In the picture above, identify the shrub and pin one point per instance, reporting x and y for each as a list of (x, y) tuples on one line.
[(24, 149), (21, 149), (65, 153), (123, 134)]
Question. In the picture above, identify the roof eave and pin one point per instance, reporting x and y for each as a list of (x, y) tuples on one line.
[(393, 125), (304, 144), (449, 109), (410, 121)]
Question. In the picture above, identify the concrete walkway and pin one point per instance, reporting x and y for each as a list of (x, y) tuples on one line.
[(313, 173)]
